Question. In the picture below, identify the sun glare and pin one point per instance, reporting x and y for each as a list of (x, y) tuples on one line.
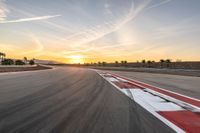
[(75, 59)]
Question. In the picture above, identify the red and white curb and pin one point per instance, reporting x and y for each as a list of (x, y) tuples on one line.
[(179, 112)]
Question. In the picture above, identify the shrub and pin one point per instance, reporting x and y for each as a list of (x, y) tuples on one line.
[(32, 62), (7, 62), (19, 62)]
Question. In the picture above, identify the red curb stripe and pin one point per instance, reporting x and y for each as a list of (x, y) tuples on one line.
[(126, 85), (188, 121), (179, 97), (185, 120)]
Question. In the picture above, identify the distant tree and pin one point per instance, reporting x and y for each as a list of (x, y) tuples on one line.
[(143, 63), (104, 63), (168, 61), (19, 62), (25, 60), (116, 63), (124, 63), (99, 63), (7, 62), (162, 61), (149, 63), (32, 62), (2, 56), (153, 63)]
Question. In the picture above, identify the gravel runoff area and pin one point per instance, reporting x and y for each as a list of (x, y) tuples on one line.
[(17, 69), (183, 72)]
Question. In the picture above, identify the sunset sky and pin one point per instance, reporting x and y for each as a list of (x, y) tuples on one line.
[(73, 31)]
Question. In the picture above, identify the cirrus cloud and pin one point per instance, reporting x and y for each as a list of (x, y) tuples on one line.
[(4, 10), (29, 19)]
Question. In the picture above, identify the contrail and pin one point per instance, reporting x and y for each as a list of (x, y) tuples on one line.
[(159, 4), (29, 19)]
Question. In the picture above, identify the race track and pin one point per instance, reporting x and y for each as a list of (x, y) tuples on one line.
[(69, 100)]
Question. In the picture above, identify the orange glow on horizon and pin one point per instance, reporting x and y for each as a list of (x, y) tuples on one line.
[(75, 59), (93, 58)]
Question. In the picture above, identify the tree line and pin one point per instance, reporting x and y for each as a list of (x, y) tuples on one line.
[(143, 63), (162, 62), (7, 61)]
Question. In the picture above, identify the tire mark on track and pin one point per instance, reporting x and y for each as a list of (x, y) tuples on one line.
[(74, 115), (36, 121)]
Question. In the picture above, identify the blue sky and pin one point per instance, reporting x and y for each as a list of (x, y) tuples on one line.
[(105, 30)]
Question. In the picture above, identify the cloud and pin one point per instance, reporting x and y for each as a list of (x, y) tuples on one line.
[(3, 11), (94, 48), (9, 47), (115, 22), (159, 4), (36, 45), (175, 30), (94, 33), (107, 9), (134, 11), (29, 19), (79, 35)]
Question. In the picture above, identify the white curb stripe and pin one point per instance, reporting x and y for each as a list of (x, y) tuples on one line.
[(145, 106)]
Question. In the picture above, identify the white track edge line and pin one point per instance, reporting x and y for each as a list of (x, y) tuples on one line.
[(165, 96)]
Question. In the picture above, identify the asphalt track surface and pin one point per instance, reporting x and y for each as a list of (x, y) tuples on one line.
[(69, 100)]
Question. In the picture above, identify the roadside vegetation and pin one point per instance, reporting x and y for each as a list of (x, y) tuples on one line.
[(7, 61), (11, 65), (144, 63), (161, 64)]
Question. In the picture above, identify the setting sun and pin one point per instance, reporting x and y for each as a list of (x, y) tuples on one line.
[(75, 59)]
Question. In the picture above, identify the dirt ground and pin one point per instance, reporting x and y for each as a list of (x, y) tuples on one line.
[(16, 69)]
